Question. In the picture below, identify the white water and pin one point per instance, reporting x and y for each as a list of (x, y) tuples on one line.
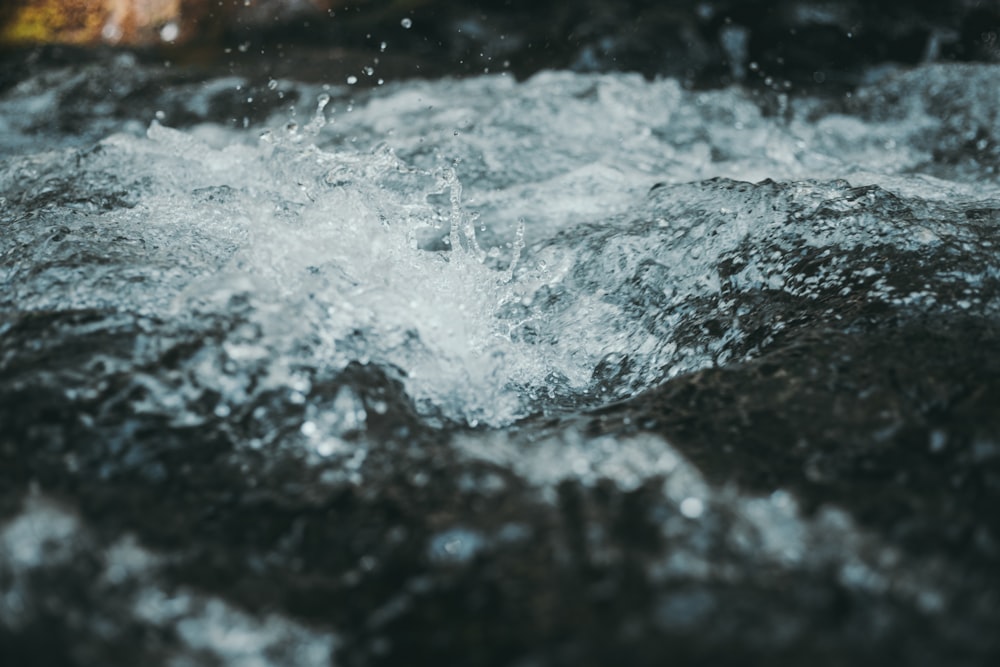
[(388, 228)]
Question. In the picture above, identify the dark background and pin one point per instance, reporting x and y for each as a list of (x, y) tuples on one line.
[(781, 44)]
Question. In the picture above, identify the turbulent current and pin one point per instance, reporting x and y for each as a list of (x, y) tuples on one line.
[(296, 371), (503, 248)]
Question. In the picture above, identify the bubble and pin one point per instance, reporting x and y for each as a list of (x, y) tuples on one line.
[(406, 23)]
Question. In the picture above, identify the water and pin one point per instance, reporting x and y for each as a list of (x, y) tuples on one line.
[(366, 281), (501, 246)]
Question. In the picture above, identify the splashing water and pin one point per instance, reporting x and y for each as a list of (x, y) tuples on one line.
[(241, 349), (500, 247), (323, 250)]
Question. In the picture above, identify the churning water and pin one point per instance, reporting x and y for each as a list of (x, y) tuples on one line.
[(497, 249), (501, 247)]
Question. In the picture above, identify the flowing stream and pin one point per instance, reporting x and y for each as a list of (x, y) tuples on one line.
[(282, 294)]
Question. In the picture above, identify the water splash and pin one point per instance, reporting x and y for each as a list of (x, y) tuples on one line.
[(501, 248)]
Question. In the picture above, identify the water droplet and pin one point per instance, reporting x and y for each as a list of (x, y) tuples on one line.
[(351, 80), (326, 447), (692, 508), (170, 32), (406, 23), (111, 32)]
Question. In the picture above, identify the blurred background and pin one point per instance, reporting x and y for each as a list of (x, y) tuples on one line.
[(772, 43)]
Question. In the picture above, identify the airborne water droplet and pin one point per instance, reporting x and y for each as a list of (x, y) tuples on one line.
[(170, 32)]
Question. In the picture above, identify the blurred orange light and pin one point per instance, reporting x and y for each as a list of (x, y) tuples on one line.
[(90, 22)]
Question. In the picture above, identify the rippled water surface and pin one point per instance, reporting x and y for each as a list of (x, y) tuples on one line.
[(433, 328)]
